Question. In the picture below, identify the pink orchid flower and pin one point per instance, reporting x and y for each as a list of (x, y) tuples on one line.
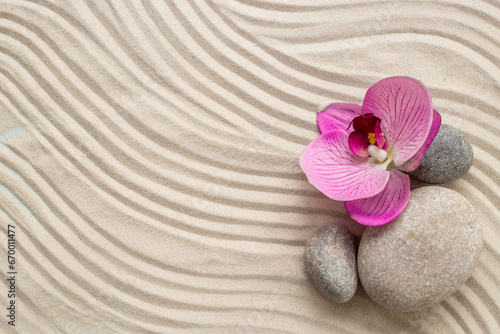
[(362, 151)]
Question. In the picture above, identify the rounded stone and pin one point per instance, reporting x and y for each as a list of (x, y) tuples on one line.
[(424, 255), (330, 258), (447, 158)]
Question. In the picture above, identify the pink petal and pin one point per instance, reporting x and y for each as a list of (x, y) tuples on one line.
[(337, 172), (414, 161), (385, 206), (381, 142), (404, 106), (358, 143), (337, 116)]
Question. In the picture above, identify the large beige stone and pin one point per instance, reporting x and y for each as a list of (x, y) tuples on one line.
[(424, 255)]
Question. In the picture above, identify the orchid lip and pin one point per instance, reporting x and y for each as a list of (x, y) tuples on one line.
[(367, 131)]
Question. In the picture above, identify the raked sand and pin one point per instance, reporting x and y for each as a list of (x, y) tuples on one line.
[(149, 157)]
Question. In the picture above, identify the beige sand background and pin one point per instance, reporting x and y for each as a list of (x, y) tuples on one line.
[(149, 157)]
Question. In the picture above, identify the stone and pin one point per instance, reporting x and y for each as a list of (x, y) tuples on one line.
[(424, 255), (448, 157), (330, 258)]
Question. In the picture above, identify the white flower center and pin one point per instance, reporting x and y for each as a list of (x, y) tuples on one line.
[(377, 153)]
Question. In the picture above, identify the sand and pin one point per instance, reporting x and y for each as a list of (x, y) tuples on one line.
[(149, 157)]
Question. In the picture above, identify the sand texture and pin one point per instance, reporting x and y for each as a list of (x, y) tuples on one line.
[(149, 157)]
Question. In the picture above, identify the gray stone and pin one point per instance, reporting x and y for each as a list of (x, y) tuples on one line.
[(330, 257), (447, 158), (424, 255)]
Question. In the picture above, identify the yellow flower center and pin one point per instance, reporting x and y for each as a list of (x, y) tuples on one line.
[(371, 138)]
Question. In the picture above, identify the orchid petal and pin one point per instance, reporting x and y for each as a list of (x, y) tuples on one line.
[(337, 116), (337, 172), (381, 142), (358, 143), (414, 161), (404, 106), (385, 206)]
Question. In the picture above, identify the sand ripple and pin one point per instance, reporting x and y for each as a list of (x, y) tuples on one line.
[(149, 157)]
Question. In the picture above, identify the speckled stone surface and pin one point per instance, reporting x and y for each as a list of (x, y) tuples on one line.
[(447, 158), (330, 257), (424, 255)]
